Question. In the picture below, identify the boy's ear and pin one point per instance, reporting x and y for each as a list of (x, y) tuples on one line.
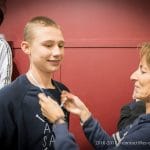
[(25, 46)]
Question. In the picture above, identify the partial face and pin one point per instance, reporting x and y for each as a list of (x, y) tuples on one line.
[(46, 50), (141, 77)]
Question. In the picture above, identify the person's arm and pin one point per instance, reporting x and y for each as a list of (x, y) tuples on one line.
[(5, 63), (91, 127), (51, 110), (98, 137), (64, 140)]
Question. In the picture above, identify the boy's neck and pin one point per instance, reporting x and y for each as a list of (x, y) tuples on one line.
[(40, 80)]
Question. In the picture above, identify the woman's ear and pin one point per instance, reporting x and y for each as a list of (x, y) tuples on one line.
[(25, 46)]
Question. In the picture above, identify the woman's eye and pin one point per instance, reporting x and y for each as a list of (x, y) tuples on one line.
[(143, 71)]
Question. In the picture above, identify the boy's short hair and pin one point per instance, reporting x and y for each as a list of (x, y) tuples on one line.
[(37, 21)]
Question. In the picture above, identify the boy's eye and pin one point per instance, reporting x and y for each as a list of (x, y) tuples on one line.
[(61, 45), (52, 43), (49, 45)]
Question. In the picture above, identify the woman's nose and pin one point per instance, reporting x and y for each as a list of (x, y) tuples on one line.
[(134, 75)]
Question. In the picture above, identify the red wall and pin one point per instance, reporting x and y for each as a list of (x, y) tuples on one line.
[(101, 49)]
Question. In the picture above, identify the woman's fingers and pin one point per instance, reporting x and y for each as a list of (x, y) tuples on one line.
[(42, 97)]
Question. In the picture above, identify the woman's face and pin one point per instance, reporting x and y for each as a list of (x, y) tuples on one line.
[(141, 78)]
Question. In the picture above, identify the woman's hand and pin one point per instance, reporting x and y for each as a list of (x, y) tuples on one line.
[(74, 105), (50, 109)]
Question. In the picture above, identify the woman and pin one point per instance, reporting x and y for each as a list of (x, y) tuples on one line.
[(134, 137)]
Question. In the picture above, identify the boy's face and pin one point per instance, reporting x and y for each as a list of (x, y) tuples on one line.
[(46, 49)]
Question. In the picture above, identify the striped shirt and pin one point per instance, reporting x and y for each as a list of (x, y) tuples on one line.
[(5, 63)]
